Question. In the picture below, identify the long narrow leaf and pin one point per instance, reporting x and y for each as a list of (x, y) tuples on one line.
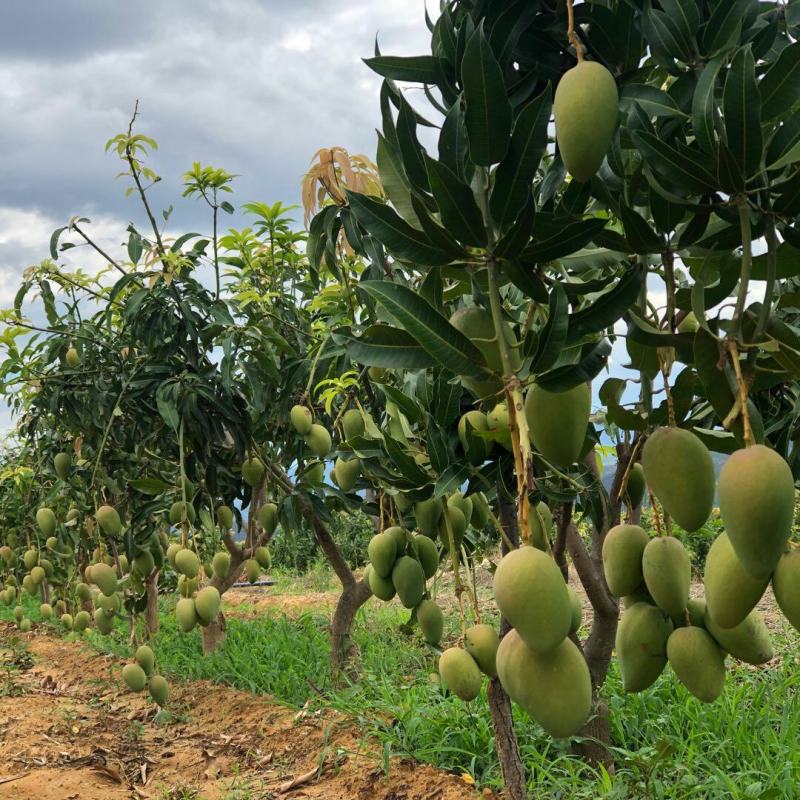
[(488, 114), (432, 331), (384, 346), (399, 238)]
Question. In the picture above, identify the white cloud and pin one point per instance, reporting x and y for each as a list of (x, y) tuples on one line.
[(24, 241), (298, 41)]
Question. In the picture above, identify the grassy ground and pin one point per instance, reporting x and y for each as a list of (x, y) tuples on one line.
[(667, 745)]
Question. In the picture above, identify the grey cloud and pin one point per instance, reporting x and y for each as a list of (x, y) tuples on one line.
[(255, 87)]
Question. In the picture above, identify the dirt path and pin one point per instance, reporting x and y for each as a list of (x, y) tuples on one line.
[(245, 601), (69, 732)]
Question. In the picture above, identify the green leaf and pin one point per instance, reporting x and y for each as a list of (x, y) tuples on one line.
[(741, 106), (315, 247), (724, 25), (444, 39), (49, 300), (667, 37), (403, 401), (384, 346), (784, 146), (562, 240), (639, 234), (438, 236), (514, 177), (135, 247), (685, 15), (394, 180), (408, 468), (457, 207), (181, 241), (614, 34), (416, 69), (411, 151), (432, 331), (654, 101), (54, 242), (704, 106), (780, 86), (593, 358), (454, 476), (787, 202), (453, 140), (717, 441), (729, 173), (553, 335), (19, 297), (488, 111), (446, 401), (666, 215), (527, 281), (439, 450), (509, 26), (728, 268), (166, 406), (519, 234), (149, 485), (575, 289), (684, 167), (609, 395), (432, 288), (609, 307), (399, 238), (787, 263), (644, 333)]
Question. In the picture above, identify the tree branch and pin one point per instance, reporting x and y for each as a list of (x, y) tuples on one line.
[(593, 582), (97, 248)]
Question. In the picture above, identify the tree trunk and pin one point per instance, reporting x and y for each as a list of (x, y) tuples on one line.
[(505, 742), (354, 595), (151, 617), (214, 634), (597, 649), (596, 738), (599, 646), (505, 738), (344, 651)]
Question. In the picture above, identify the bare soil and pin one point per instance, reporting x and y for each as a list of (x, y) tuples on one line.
[(70, 731)]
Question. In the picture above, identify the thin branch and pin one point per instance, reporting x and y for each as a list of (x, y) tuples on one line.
[(56, 275), (749, 439), (135, 175), (747, 264), (97, 248), (769, 287), (592, 581), (57, 332), (571, 35)]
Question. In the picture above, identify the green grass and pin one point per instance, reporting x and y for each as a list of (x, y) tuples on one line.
[(667, 745)]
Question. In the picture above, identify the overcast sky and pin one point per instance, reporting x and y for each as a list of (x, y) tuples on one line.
[(254, 86)]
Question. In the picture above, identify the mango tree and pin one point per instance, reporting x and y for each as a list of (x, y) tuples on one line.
[(510, 261)]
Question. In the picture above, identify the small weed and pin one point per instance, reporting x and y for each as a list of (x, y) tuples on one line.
[(134, 732), (179, 793)]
